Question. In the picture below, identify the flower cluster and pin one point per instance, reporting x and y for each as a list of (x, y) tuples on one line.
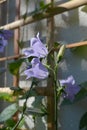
[(37, 50), (36, 69), (4, 36), (70, 88)]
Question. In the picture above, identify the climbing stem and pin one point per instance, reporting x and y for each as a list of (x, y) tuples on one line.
[(24, 107)]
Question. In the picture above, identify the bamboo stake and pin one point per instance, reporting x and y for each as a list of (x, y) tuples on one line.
[(6, 90), (11, 57), (56, 10), (1, 1), (41, 91), (77, 44)]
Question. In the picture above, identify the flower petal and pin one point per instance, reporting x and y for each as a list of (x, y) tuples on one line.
[(71, 88), (6, 34), (29, 73), (35, 61), (38, 70), (30, 52), (3, 43), (37, 48)]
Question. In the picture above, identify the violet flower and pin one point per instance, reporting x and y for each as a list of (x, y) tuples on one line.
[(4, 36), (37, 48), (3, 43), (36, 70), (71, 89)]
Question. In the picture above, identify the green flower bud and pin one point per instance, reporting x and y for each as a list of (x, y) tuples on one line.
[(61, 53)]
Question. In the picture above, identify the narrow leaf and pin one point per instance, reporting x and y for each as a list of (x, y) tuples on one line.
[(35, 112)]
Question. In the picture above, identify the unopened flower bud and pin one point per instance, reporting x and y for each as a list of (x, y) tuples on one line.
[(60, 53)]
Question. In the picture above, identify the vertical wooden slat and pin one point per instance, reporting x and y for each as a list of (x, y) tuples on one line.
[(16, 37), (50, 99), (16, 48)]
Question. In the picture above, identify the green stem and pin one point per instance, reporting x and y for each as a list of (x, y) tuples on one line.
[(24, 108), (56, 97), (56, 111), (14, 128)]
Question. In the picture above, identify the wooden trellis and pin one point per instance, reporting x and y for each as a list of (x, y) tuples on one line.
[(46, 91)]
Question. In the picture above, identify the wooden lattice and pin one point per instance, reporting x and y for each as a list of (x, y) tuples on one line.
[(46, 91)]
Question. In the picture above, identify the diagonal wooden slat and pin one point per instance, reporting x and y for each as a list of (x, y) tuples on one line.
[(2, 1), (55, 11)]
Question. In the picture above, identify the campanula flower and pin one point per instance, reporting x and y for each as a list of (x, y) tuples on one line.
[(3, 43), (36, 70), (37, 48), (70, 88), (4, 36)]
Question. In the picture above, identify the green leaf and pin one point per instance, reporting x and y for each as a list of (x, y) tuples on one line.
[(81, 95), (14, 66), (83, 122), (6, 96), (44, 109), (24, 16), (37, 102), (10, 123), (83, 85), (55, 10), (56, 44), (8, 112), (21, 44), (42, 4), (16, 88), (84, 9), (35, 112)]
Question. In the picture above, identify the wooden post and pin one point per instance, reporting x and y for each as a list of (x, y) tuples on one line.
[(16, 37), (50, 86), (16, 49)]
